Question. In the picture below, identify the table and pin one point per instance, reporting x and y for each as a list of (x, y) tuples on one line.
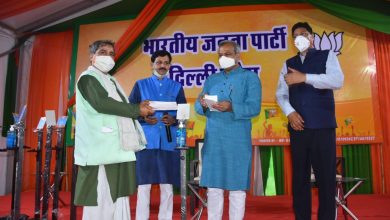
[(341, 198)]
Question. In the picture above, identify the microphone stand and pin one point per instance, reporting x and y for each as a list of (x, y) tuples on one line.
[(17, 175), (168, 130), (46, 173), (38, 174), (57, 177), (18, 169)]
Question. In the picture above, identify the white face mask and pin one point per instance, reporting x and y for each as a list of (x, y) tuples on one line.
[(104, 63), (226, 62), (159, 75), (301, 43)]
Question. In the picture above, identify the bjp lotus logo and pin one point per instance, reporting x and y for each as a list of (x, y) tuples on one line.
[(332, 41)]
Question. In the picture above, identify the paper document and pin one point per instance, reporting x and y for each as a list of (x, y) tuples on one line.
[(41, 123), (183, 112), (163, 106), (50, 117), (211, 100), (22, 114), (62, 121)]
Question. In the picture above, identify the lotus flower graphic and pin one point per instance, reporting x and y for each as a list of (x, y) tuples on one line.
[(332, 41)]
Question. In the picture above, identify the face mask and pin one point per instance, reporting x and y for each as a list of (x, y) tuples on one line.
[(301, 43), (158, 74), (226, 62), (104, 63)]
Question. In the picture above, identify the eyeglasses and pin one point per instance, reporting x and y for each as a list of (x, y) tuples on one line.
[(305, 34)]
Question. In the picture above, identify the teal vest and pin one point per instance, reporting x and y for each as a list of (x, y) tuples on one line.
[(97, 138)]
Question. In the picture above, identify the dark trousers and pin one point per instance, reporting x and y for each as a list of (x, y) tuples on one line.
[(314, 148)]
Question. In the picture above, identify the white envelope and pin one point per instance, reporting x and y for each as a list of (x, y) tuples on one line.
[(163, 106), (210, 101)]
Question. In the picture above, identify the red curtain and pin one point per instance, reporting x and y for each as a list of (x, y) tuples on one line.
[(49, 79), (10, 8), (380, 154)]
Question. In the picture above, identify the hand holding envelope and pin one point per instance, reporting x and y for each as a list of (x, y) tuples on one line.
[(163, 106), (159, 106), (145, 109), (210, 101)]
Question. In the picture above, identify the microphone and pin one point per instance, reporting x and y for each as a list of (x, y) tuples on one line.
[(168, 130)]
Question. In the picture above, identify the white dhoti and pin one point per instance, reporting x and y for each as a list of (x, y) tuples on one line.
[(106, 208), (143, 202), (215, 202)]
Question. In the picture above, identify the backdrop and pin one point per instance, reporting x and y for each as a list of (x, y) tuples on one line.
[(264, 33)]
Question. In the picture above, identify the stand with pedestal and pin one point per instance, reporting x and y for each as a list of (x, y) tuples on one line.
[(18, 168), (57, 175), (183, 170), (18, 173), (38, 174), (183, 114), (46, 172)]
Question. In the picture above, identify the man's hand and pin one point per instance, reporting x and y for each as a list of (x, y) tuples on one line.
[(145, 109), (224, 106), (202, 101), (296, 121), (151, 120), (294, 77), (168, 120)]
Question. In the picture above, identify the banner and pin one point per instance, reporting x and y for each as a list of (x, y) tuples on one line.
[(264, 33)]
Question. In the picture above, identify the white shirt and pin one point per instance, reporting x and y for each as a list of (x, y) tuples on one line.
[(333, 78)]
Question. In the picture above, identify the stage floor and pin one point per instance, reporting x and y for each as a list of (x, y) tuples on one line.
[(367, 207)]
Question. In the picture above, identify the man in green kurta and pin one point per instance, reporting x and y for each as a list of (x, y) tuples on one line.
[(106, 175)]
